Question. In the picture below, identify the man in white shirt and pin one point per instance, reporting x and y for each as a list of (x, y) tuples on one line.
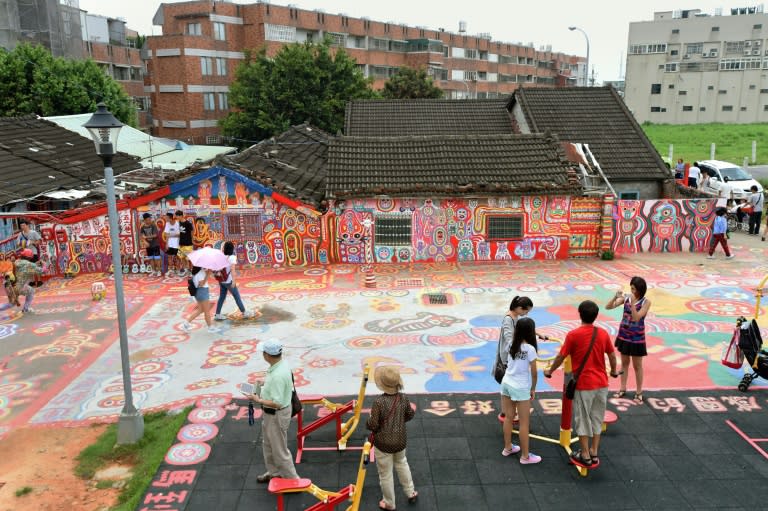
[(756, 200), (694, 174), (171, 234)]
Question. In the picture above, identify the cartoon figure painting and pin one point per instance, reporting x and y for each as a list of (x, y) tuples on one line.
[(241, 194), (204, 193), (666, 225), (630, 226), (223, 193)]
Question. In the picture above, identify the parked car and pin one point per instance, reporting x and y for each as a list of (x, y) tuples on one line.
[(726, 179)]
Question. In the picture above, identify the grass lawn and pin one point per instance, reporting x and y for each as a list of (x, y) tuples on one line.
[(144, 456), (692, 141)]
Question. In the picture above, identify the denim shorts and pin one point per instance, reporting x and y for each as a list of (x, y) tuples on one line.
[(202, 294), (515, 394)]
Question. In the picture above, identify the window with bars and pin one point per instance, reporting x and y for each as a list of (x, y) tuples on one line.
[(504, 227), (243, 225), (393, 230), (281, 33)]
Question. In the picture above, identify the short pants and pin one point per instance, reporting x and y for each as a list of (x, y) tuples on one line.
[(202, 294), (515, 394)]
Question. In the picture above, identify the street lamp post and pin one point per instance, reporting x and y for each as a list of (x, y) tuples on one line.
[(104, 129), (586, 77)]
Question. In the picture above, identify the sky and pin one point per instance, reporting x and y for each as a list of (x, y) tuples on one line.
[(605, 22)]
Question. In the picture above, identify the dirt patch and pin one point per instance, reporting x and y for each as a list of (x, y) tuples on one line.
[(44, 460)]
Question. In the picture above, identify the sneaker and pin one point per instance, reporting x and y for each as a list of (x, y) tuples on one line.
[(215, 330), (508, 452), (730, 256), (219, 317), (186, 326), (27, 311), (710, 257), (249, 315), (530, 460)]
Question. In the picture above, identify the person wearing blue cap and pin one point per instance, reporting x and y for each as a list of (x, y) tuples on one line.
[(275, 401)]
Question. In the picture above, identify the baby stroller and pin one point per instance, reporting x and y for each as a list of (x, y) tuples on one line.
[(751, 343)]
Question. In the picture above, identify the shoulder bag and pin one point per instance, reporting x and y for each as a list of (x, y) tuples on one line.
[(570, 387), (296, 405)]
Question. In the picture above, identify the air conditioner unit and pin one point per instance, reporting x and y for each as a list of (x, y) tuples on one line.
[(705, 55), (755, 52), (758, 43), (766, 52), (713, 53), (747, 51), (686, 56), (747, 44)]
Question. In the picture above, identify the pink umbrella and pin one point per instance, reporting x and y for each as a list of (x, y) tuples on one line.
[(209, 258)]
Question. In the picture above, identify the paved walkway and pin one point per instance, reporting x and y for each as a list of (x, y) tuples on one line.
[(677, 451)]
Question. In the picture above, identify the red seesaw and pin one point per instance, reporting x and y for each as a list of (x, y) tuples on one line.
[(335, 412)]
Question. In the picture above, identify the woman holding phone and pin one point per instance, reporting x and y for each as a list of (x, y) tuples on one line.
[(630, 340)]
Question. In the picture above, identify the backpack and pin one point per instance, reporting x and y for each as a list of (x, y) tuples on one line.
[(191, 287), (221, 275)]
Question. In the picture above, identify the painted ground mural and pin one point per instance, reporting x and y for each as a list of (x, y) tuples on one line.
[(438, 321)]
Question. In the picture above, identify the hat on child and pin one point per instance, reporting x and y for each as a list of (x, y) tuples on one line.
[(272, 347), (388, 379)]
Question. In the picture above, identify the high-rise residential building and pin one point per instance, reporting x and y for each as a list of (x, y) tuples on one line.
[(191, 66), (69, 32), (688, 67)]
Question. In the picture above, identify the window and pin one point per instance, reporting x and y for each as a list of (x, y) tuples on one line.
[(687, 108), (671, 67), (694, 48), (221, 66), (639, 49), (338, 39), (194, 29), (655, 109), (752, 87), (675, 30), (682, 92), (219, 31), (223, 101), (655, 88), (743, 109), (470, 53), (243, 225), (209, 101), (280, 33), (710, 87), (765, 108), (393, 230), (715, 29), (757, 27), (506, 227), (206, 65), (671, 86), (763, 91), (727, 108), (734, 47), (629, 195), (212, 139), (674, 52), (702, 109), (722, 91)]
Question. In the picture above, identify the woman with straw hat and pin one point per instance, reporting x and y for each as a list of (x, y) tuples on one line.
[(389, 413)]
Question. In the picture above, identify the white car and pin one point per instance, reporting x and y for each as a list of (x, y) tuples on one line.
[(726, 179)]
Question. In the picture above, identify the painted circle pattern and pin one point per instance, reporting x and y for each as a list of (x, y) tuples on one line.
[(208, 414), (188, 453), (197, 432), (213, 401)]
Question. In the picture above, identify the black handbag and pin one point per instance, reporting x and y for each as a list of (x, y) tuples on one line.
[(296, 405), (570, 386), (499, 368)]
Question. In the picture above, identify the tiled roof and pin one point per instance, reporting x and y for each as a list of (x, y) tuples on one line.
[(483, 164), (37, 156), (293, 163), (422, 117), (596, 116)]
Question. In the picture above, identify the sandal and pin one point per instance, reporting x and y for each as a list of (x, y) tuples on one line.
[(578, 458), (619, 394), (383, 505), (639, 398), (414, 496)]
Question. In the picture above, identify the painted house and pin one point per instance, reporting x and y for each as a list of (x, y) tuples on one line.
[(489, 197)]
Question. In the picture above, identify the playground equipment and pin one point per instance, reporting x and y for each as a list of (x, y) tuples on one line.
[(328, 500), (335, 413), (751, 343), (566, 414)]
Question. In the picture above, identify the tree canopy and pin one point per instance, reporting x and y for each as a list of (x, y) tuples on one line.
[(32, 81), (410, 83), (306, 82)]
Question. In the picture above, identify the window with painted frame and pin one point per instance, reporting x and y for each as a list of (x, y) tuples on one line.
[(504, 227), (392, 230), (243, 226)]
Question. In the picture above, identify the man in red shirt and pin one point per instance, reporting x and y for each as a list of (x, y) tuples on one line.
[(592, 383)]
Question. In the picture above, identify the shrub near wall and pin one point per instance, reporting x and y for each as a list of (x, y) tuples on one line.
[(663, 225)]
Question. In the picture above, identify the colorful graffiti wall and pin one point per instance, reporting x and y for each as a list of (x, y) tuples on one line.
[(228, 207), (456, 229), (663, 225)]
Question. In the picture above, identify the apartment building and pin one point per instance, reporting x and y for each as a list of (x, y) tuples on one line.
[(190, 66), (688, 67), (70, 32)]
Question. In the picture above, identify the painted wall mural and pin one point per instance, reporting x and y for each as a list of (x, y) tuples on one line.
[(455, 229), (663, 225)]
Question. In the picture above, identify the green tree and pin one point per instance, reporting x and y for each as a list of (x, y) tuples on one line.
[(410, 83), (301, 83), (32, 81)]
